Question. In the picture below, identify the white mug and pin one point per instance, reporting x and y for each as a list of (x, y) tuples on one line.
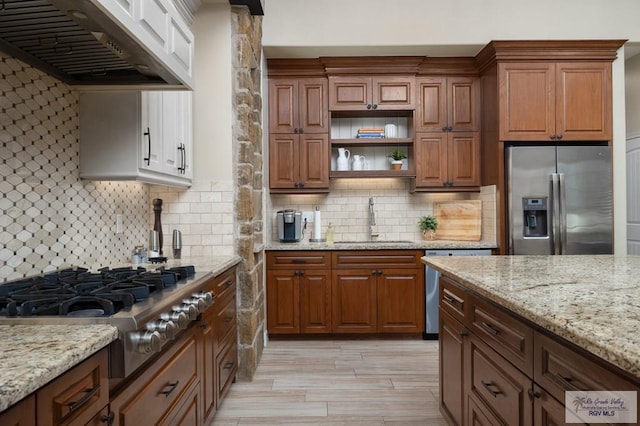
[(390, 131)]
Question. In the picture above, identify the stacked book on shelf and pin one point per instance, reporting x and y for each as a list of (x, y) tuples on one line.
[(370, 132)]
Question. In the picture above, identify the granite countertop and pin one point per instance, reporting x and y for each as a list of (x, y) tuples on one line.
[(382, 245), (33, 355), (592, 301)]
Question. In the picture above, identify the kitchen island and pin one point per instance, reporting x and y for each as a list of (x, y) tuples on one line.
[(563, 322)]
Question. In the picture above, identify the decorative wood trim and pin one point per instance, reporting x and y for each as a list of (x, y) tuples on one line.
[(458, 66), (371, 65), (548, 50), (300, 67)]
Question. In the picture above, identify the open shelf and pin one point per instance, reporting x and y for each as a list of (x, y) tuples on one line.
[(372, 174), (371, 141)]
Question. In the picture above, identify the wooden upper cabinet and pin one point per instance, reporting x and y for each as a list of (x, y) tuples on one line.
[(448, 104), (556, 101), (298, 105), (371, 93), (299, 161), (447, 160)]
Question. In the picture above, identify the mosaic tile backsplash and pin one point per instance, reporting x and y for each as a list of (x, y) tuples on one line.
[(49, 218)]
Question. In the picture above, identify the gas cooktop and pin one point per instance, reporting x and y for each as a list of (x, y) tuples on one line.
[(80, 293)]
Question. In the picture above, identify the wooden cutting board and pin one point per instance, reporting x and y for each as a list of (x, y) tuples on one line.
[(459, 220)]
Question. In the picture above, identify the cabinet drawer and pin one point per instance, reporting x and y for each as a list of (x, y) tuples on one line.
[(225, 320), (507, 335), (77, 396), (453, 299), (151, 398), (224, 284), (298, 259), (557, 368), (378, 259), (227, 363), (498, 385)]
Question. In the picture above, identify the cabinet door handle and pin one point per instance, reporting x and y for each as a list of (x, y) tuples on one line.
[(533, 394), (88, 394), (375, 106), (171, 387), (227, 320), (295, 130), (444, 129), (184, 158), (490, 328), (559, 137), (148, 157), (228, 365), (300, 130), (108, 419), (369, 106), (450, 129), (488, 386), (553, 137), (463, 333)]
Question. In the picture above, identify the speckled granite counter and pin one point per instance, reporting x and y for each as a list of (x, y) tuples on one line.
[(383, 245), (591, 301), (33, 355)]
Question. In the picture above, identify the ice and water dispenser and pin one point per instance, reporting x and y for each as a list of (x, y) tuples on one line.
[(535, 217)]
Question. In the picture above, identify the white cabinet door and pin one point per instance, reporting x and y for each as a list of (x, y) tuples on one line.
[(143, 136), (151, 141)]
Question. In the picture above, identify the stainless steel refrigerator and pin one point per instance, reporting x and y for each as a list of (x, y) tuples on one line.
[(559, 200)]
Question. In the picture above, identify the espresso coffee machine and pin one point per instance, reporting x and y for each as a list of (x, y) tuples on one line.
[(289, 225)]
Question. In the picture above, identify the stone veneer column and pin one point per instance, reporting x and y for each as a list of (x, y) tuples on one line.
[(247, 135)]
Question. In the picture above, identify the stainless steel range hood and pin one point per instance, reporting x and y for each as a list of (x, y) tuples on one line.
[(81, 43)]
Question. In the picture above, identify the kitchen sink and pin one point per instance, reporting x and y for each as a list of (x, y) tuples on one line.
[(376, 242)]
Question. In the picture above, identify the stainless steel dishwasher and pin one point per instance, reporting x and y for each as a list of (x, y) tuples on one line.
[(431, 278)]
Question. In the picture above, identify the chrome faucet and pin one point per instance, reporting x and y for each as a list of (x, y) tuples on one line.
[(372, 220)]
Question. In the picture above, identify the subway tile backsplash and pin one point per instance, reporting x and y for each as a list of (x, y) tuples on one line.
[(49, 218), (396, 209)]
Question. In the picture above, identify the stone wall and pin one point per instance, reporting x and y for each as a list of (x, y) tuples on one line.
[(247, 136)]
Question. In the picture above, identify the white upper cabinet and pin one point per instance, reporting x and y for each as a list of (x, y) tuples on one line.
[(161, 28), (140, 136)]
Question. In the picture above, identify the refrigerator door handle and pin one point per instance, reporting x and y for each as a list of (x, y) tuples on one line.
[(562, 225), (555, 214)]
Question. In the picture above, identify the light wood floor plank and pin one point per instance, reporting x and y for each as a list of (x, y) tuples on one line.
[(335, 383)]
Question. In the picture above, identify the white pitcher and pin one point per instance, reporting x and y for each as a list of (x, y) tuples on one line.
[(343, 159), (358, 162)]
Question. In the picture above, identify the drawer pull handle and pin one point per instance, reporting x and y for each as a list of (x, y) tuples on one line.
[(488, 386), (88, 393), (463, 333), (490, 328), (228, 365), (228, 283), (567, 382), (449, 299), (171, 387), (299, 261), (227, 320)]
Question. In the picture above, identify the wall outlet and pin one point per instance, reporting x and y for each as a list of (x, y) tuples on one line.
[(308, 216)]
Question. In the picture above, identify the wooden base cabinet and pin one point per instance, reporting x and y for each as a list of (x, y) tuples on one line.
[(158, 395), (21, 414), (499, 369), (298, 292), (345, 292), (378, 292)]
